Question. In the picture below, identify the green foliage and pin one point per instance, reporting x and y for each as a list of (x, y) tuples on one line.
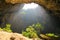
[(38, 27), (30, 32), (1, 29), (30, 29), (52, 35), (25, 34), (7, 28)]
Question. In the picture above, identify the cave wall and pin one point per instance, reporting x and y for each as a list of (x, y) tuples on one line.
[(6, 5), (52, 5)]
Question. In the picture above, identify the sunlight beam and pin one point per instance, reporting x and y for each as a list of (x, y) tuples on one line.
[(30, 6)]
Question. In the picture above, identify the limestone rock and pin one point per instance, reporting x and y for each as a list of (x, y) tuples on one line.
[(12, 36)]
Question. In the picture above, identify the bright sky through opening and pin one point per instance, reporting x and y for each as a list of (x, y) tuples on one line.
[(30, 6)]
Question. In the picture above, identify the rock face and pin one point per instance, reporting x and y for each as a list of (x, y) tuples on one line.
[(12, 36), (53, 5), (47, 3)]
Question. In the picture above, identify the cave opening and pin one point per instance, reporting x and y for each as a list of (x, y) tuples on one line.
[(39, 17), (27, 14)]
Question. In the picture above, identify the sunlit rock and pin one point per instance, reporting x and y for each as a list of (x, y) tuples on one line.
[(12, 36)]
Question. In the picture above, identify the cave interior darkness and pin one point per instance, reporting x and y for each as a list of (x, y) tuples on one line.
[(20, 18)]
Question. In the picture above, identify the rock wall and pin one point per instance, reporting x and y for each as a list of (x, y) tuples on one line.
[(52, 5)]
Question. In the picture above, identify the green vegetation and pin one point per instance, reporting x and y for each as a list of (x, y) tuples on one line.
[(7, 28), (32, 31), (52, 35), (38, 27), (1, 29)]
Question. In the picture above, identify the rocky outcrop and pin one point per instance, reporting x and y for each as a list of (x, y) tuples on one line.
[(12, 36), (48, 3)]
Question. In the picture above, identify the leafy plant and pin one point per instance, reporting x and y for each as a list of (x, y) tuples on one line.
[(52, 35), (30, 32), (7, 28), (38, 27), (1, 29)]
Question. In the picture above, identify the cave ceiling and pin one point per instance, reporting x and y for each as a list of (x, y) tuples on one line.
[(52, 5)]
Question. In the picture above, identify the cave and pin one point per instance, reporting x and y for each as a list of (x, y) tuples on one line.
[(23, 13), (23, 17)]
